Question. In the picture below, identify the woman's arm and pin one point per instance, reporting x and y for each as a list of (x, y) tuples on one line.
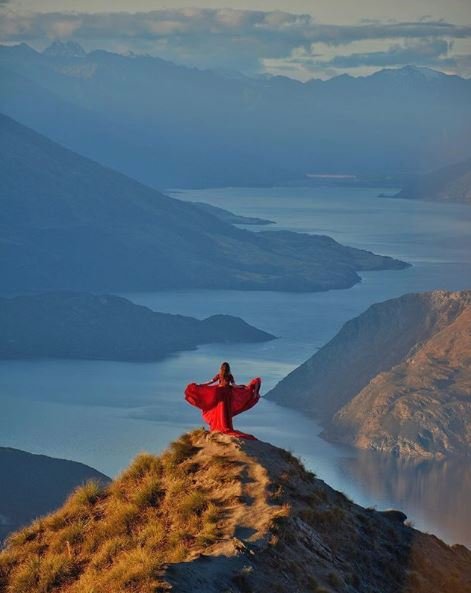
[(213, 380)]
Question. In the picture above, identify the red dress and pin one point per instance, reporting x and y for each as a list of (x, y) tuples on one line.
[(219, 403)]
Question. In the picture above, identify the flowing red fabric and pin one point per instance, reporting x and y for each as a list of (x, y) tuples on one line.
[(218, 404)]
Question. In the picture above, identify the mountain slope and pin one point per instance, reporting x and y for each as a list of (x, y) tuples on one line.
[(422, 406), (451, 183), (216, 514), (77, 325), (71, 224), (396, 378), (33, 485), (149, 118)]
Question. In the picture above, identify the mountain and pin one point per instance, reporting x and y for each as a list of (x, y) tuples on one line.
[(172, 126), (395, 379), (230, 217), (78, 325), (33, 485), (254, 520), (68, 49), (70, 224), (451, 183)]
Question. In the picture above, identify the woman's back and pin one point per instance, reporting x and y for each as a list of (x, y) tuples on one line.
[(224, 380)]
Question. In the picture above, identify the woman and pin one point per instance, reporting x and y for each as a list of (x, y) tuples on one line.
[(219, 403)]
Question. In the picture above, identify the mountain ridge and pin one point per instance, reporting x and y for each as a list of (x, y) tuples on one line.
[(69, 223), (253, 520)]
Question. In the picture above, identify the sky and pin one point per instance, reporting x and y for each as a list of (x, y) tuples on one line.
[(300, 38)]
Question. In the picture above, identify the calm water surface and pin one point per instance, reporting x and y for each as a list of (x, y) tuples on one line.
[(103, 413)]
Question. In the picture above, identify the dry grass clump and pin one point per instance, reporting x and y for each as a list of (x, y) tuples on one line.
[(117, 538)]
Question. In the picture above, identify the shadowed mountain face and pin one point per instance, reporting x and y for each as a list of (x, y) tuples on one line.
[(451, 183), (71, 224), (397, 378), (149, 118), (253, 520), (77, 325), (33, 485)]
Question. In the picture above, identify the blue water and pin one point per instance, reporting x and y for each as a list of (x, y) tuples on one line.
[(103, 413)]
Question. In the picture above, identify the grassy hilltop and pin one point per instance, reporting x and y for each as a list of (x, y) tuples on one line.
[(213, 514)]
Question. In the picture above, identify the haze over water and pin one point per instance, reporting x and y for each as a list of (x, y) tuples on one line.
[(102, 413)]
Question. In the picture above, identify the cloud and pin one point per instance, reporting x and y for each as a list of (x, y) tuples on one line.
[(424, 52), (246, 40)]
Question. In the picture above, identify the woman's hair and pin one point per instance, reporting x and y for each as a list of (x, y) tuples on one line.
[(225, 370)]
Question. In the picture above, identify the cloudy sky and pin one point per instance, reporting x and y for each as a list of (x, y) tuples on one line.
[(299, 38)]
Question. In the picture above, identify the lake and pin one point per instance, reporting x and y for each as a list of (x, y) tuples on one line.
[(103, 413)]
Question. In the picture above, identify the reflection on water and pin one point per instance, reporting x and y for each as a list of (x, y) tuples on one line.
[(431, 493)]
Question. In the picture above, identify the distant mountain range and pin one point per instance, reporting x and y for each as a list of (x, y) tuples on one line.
[(69, 223), (77, 325), (395, 379), (173, 126), (34, 485), (450, 184)]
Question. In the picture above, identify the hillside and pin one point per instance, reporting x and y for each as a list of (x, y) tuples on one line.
[(451, 183), (213, 514), (71, 224), (33, 485), (107, 327), (150, 118), (231, 217), (397, 378)]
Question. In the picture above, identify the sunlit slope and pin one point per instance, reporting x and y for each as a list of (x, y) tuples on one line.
[(396, 378), (214, 514)]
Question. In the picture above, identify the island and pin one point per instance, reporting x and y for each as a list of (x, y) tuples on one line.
[(107, 327)]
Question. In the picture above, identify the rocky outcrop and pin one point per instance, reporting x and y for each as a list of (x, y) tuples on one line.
[(397, 378), (215, 513)]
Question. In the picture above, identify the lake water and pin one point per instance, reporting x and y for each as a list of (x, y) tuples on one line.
[(103, 413)]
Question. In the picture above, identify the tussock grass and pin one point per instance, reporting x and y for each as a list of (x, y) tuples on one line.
[(116, 539), (86, 495), (193, 503), (179, 451), (143, 465)]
